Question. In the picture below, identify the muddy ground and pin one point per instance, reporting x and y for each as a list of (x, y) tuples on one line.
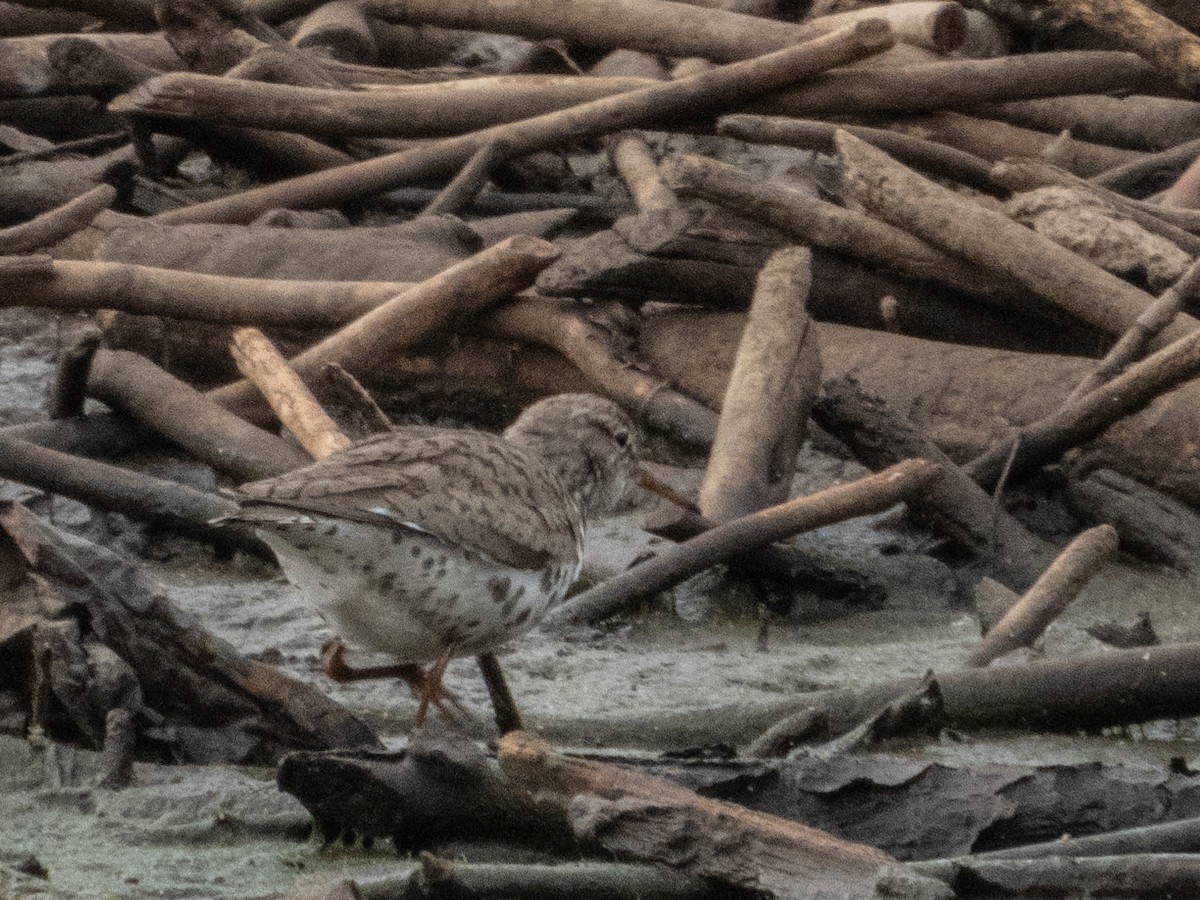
[(225, 832)]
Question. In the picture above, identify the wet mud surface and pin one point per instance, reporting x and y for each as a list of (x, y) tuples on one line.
[(227, 832)]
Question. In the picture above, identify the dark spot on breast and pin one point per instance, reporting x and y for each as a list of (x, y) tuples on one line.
[(387, 582), (331, 529), (523, 616), (427, 564), (415, 551), (499, 588), (310, 526)]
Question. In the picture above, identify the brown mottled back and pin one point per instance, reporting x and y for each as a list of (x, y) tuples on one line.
[(473, 490)]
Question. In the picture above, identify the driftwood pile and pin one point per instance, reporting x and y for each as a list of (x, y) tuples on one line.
[(974, 264)]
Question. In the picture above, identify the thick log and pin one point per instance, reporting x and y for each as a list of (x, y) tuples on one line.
[(648, 819), (56, 224)]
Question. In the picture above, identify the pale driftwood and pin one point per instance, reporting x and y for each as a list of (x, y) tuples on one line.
[(219, 299), (705, 94), (997, 244), (959, 84), (1084, 558), (290, 399), (1138, 121), (466, 185), (772, 386), (867, 495), (994, 140), (648, 819), (634, 161)]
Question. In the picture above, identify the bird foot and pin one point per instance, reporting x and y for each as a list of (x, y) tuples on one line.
[(428, 688)]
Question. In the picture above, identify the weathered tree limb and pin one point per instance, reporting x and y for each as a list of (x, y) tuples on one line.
[(1133, 344), (134, 385), (69, 390), (993, 241), (831, 227), (959, 84), (959, 507), (772, 386), (994, 140), (183, 673), (1137, 121), (1087, 416), (220, 299), (1148, 521), (1127, 175), (1164, 43), (634, 161), (444, 108), (701, 95), (644, 818), (871, 494), (1052, 593), (51, 227)]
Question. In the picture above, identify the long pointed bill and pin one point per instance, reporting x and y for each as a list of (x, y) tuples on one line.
[(655, 486)]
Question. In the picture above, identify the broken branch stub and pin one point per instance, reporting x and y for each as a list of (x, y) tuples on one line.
[(772, 386)]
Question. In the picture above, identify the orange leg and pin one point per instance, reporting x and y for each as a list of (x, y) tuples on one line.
[(333, 659), (432, 690)]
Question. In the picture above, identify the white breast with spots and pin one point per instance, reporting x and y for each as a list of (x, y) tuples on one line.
[(407, 593)]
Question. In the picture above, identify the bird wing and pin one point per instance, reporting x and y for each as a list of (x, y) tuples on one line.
[(469, 489)]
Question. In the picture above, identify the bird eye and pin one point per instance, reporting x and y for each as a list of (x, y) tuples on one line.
[(622, 438)]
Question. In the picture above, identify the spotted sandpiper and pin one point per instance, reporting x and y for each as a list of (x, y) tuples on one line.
[(429, 543)]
